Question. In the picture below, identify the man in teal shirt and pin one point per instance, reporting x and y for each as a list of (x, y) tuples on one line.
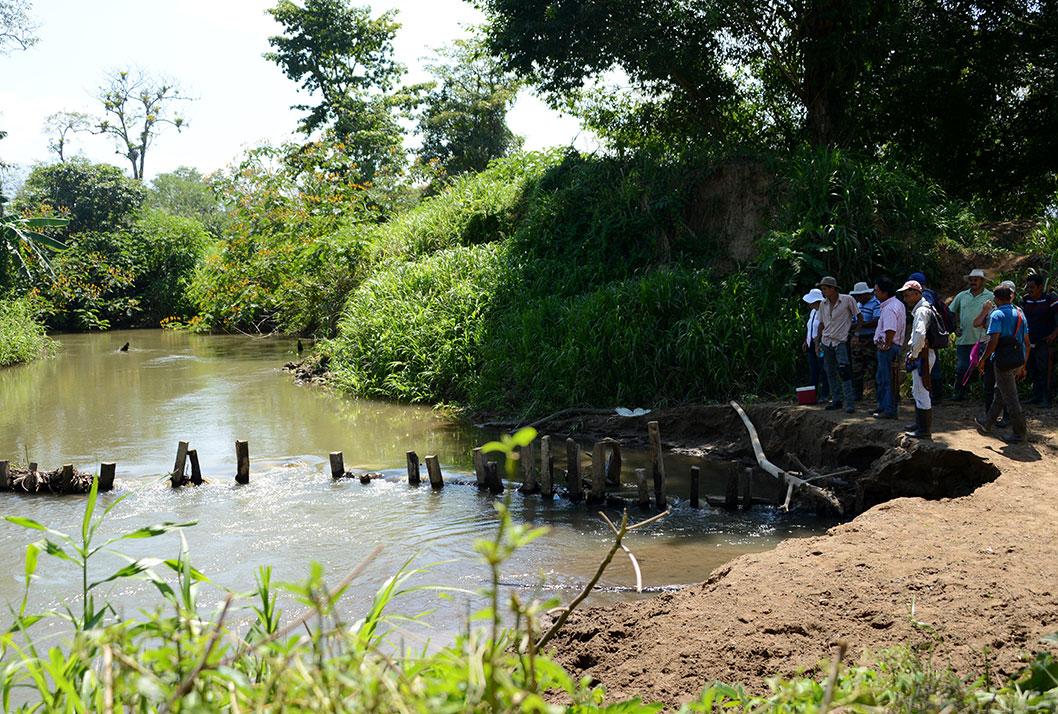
[(967, 306)]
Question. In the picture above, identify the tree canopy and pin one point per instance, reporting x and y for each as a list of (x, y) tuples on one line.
[(963, 89), (345, 56)]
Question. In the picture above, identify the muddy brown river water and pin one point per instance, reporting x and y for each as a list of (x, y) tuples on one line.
[(93, 403)]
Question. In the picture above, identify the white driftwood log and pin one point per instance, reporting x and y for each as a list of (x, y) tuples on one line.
[(792, 482)]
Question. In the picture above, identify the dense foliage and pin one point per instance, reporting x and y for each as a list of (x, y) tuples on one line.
[(95, 197), (964, 92), (22, 336)]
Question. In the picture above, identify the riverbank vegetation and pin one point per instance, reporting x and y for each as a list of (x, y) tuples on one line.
[(22, 334), (250, 655), (664, 268)]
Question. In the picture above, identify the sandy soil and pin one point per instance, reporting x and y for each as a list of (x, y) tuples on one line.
[(979, 571)]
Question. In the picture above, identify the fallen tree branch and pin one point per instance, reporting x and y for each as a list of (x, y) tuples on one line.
[(793, 482), (815, 475)]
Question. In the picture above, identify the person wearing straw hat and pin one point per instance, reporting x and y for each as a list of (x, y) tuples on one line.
[(966, 307), (920, 359), (817, 376), (864, 353), (837, 313)]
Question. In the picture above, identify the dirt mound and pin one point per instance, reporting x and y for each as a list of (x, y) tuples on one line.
[(978, 571)]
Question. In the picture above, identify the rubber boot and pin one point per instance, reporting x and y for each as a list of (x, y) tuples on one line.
[(1020, 432), (925, 425), (911, 428)]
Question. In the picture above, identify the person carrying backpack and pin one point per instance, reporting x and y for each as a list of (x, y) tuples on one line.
[(1008, 350), (966, 306)]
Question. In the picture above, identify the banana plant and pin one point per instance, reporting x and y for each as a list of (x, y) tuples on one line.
[(20, 235)]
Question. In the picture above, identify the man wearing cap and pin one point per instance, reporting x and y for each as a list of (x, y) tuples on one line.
[(919, 359), (1040, 310), (966, 307), (837, 313), (936, 379), (888, 338), (1006, 322), (864, 353)]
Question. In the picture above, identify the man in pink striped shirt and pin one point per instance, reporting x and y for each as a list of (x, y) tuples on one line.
[(888, 337)]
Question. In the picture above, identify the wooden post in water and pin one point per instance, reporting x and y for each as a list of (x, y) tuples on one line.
[(598, 472), (731, 497), (547, 469), (106, 475), (337, 465), (747, 489), (433, 468), (576, 490), (480, 474), (66, 478), (242, 456), (413, 468), (613, 463), (177, 477), (196, 469), (5, 478), (642, 488), (492, 477), (30, 484), (527, 457), (657, 464), (696, 473)]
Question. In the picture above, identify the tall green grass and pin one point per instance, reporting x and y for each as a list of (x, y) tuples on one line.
[(22, 335)]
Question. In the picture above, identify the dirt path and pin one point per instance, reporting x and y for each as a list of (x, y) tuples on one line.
[(980, 571)]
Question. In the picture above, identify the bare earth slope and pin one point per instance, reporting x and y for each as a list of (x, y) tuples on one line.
[(981, 571)]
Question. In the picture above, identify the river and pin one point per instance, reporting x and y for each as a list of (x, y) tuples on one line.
[(93, 403)]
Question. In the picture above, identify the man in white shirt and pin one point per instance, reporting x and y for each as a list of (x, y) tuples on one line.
[(921, 357), (837, 314)]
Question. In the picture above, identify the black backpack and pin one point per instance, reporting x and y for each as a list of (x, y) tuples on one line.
[(937, 335)]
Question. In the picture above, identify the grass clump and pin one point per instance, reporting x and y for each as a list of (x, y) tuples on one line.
[(22, 335)]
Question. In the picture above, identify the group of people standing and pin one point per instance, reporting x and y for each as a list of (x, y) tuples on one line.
[(884, 332)]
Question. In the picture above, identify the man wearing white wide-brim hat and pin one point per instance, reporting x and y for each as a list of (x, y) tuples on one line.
[(864, 354)]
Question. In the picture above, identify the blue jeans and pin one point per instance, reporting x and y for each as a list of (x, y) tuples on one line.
[(884, 378), (839, 371), (963, 354)]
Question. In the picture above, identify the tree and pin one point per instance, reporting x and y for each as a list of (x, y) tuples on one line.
[(136, 107), (16, 26), (464, 120), (185, 193), (61, 125), (346, 56), (95, 197)]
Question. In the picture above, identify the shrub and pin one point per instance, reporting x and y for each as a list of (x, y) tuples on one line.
[(95, 197), (22, 335)]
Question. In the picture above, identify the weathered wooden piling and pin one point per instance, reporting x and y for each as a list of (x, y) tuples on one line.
[(106, 475), (196, 468), (5, 475), (337, 465), (598, 472), (657, 464), (66, 478), (242, 457), (576, 490), (613, 463), (177, 477), (480, 474), (696, 474), (746, 481), (492, 477), (433, 468), (731, 495), (642, 488), (527, 457), (413, 468), (547, 468)]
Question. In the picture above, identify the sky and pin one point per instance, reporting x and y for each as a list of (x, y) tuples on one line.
[(212, 50)]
